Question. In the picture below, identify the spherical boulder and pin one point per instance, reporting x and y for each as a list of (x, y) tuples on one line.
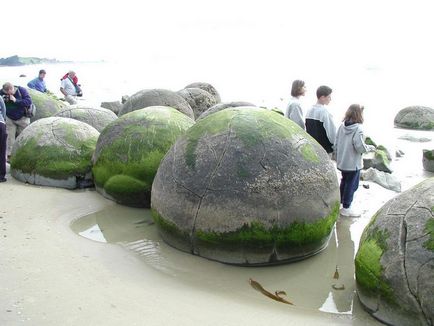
[(206, 87), (97, 117), (395, 260), (246, 186), (198, 99), (221, 106), (415, 117), (46, 105), (428, 160), (129, 152), (156, 97), (114, 106), (55, 152)]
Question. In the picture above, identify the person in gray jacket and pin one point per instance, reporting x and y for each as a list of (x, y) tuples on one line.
[(3, 138), (349, 147), (294, 110)]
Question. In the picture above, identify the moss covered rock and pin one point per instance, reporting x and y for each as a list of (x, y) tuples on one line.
[(395, 260), (55, 152), (206, 87), (129, 152), (221, 106), (156, 97), (428, 160), (198, 99), (415, 117), (97, 117), (246, 186), (46, 105)]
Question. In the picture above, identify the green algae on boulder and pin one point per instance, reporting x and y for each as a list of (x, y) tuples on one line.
[(97, 117), (55, 152), (428, 160), (156, 97), (129, 152), (246, 186), (415, 117), (46, 105), (221, 106), (395, 260)]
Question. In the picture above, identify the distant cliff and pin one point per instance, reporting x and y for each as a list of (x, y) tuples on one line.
[(21, 61)]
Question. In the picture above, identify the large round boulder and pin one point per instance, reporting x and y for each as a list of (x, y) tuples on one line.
[(395, 260), (114, 106), (46, 105), (415, 117), (97, 117), (129, 152), (156, 97), (428, 160), (247, 187), (221, 106), (55, 152), (206, 87), (198, 99)]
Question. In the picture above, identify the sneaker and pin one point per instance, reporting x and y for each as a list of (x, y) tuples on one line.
[(348, 212), (3, 179)]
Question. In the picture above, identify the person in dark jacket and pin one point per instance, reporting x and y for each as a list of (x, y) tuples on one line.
[(319, 121), (3, 138), (349, 147), (16, 99)]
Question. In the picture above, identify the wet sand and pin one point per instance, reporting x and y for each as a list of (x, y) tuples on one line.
[(50, 275)]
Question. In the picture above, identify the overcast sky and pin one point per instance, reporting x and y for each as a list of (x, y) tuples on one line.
[(369, 32)]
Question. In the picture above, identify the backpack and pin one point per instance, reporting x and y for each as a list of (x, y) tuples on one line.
[(30, 111)]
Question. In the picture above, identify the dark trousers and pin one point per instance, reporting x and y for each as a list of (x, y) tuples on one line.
[(3, 138), (349, 185)]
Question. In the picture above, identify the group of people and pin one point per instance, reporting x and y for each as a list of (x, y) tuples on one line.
[(14, 103), (346, 145)]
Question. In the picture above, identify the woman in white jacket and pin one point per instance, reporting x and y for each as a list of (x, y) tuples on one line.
[(294, 110), (349, 147)]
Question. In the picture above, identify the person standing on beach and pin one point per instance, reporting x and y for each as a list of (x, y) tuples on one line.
[(294, 110), (3, 138), (38, 83), (319, 121), (349, 147), (67, 88), (16, 99)]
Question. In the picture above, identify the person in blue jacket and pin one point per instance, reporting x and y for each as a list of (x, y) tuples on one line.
[(3, 137), (17, 100), (38, 83)]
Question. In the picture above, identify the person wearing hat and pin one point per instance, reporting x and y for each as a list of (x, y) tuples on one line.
[(38, 83)]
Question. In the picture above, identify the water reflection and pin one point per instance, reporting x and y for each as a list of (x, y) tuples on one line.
[(308, 283)]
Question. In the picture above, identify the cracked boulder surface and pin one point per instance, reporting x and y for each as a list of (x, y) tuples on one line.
[(221, 106), (246, 186), (130, 149), (46, 105), (98, 118), (198, 99), (395, 260), (55, 152), (156, 97), (415, 117), (206, 87)]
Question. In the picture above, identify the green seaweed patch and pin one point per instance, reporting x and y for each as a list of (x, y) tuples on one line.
[(54, 161), (429, 227), (309, 153), (126, 189), (257, 235), (382, 156), (369, 141), (369, 271), (167, 226), (251, 126), (428, 154)]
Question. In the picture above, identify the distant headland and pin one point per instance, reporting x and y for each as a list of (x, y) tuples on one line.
[(21, 61)]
